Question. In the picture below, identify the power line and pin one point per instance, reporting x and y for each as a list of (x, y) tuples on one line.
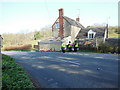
[(48, 12)]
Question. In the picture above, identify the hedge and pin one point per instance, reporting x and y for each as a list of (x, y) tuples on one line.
[(23, 47), (13, 75)]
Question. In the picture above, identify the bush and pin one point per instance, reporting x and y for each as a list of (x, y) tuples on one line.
[(13, 75), (87, 47), (23, 47), (108, 47)]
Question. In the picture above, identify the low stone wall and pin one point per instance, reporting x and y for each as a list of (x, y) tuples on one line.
[(113, 41), (52, 46), (94, 42)]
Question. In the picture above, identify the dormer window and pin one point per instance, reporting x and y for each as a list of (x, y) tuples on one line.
[(91, 34)]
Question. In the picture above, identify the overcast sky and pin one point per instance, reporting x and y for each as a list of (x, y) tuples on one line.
[(30, 15)]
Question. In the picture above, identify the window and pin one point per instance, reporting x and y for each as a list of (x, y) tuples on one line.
[(57, 25), (91, 34)]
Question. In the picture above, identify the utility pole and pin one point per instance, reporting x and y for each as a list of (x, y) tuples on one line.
[(107, 21), (107, 25)]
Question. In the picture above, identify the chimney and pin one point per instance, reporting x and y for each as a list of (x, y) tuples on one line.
[(78, 19), (61, 31), (60, 12)]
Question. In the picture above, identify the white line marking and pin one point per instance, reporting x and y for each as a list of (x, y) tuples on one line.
[(98, 57), (50, 80), (71, 62)]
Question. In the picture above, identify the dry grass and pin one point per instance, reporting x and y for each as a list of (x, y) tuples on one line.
[(23, 47)]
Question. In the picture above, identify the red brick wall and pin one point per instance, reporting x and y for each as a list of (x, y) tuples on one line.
[(61, 22)]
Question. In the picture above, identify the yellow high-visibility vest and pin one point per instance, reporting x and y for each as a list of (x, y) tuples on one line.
[(70, 45), (76, 45), (63, 45)]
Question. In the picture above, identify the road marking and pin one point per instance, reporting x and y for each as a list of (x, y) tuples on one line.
[(86, 54), (50, 80), (71, 62), (98, 57), (117, 59)]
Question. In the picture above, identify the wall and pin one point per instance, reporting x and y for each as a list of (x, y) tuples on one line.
[(54, 45), (94, 41), (55, 30), (74, 32), (99, 41), (67, 28), (67, 39), (113, 41)]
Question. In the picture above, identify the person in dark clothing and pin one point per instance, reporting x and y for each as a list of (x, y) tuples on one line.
[(76, 46), (70, 46)]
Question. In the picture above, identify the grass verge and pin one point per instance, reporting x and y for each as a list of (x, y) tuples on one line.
[(13, 75)]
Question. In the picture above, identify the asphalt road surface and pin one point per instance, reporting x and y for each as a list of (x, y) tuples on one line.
[(70, 70)]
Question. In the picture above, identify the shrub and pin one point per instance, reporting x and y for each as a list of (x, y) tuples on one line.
[(108, 47), (23, 47), (87, 47)]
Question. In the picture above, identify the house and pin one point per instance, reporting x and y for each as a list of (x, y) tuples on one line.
[(0, 42), (66, 27), (63, 29), (96, 35)]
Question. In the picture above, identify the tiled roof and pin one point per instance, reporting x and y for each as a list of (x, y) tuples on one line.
[(73, 22)]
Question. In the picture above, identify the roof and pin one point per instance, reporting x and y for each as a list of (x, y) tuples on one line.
[(73, 22), (50, 40), (100, 31)]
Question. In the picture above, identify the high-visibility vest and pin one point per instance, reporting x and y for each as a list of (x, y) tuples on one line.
[(63, 45), (76, 45), (70, 45)]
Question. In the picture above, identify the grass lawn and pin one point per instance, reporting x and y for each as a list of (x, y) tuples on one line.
[(13, 75), (114, 35)]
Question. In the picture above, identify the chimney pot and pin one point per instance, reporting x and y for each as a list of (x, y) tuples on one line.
[(78, 19)]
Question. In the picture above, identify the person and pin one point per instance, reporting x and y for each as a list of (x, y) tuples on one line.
[(76, 46), (63, 46), (70, 46)]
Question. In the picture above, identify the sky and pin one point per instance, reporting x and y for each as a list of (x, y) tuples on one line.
[(22, 16)]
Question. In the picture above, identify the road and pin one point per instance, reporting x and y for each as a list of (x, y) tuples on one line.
[(70, 70)]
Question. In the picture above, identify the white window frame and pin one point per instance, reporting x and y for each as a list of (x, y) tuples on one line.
[(91, 32)]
